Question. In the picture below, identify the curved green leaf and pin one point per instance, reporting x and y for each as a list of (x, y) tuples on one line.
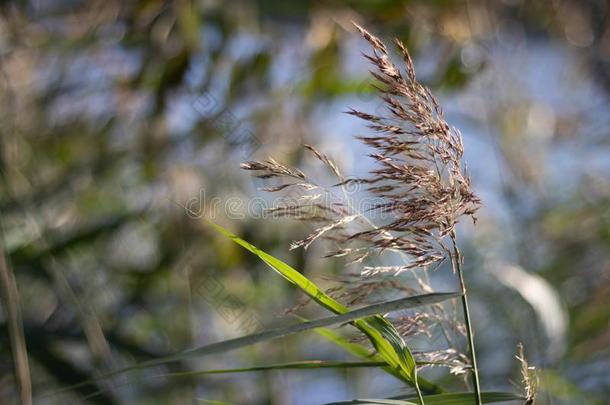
[(457, 398), (382, 334)]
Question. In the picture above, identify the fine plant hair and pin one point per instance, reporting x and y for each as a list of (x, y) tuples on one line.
[(421, 188)]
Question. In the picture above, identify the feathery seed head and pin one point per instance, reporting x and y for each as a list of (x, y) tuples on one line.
[(420, 191), (418, 179)]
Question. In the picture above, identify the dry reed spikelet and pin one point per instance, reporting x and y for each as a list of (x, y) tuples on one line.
[(457, 362), (529, 376)]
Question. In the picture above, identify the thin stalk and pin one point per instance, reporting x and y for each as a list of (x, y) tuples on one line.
[(10, 298), (456, 264), (419, 394)]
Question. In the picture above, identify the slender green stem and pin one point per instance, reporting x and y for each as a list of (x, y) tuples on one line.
[(456, 263), (419, 394)]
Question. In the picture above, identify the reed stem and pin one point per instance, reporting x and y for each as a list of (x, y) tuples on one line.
[(456, 263)]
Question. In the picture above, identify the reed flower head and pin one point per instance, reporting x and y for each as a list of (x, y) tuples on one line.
[(420, 190), (418, 179)]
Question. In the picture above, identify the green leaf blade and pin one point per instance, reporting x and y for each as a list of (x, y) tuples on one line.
[(382, 334)]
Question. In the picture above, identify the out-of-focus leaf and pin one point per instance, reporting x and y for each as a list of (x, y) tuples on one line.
[(454, 75), (559, 387), (188, 21), (250, 72)]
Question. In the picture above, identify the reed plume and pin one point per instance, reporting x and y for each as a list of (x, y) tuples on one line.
[(418, 178), (420, 185)]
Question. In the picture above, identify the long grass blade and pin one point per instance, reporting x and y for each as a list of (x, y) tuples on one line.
[(232, 344), (351, 316), (297, 365), (382, 334), (371, 401), (458, 398), (466, 398)]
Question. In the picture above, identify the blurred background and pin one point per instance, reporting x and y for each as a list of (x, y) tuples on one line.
[(116, 113)]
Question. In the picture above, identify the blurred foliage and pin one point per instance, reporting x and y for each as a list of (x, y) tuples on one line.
[(115, 110)]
